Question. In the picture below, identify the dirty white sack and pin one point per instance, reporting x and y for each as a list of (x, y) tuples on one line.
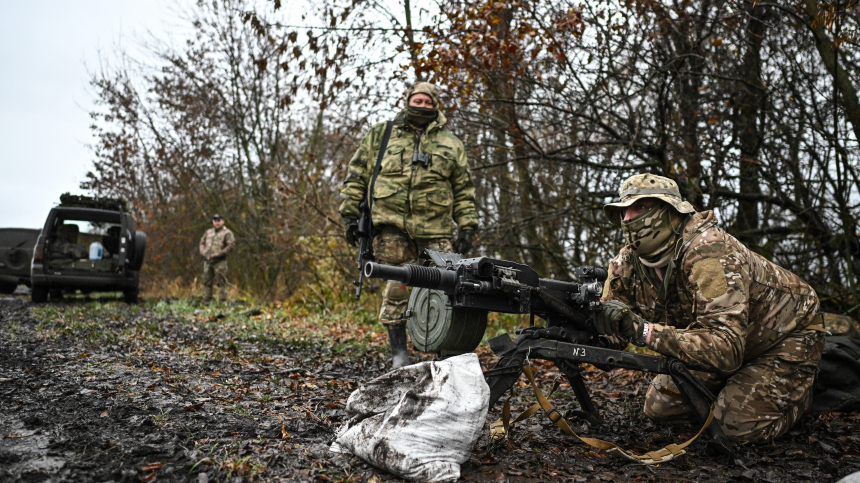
[(420, 421)]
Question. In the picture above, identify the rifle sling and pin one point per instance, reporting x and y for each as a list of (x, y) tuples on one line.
[(661, 455), (382, 147)]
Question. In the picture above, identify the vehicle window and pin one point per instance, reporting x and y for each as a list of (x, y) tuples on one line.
[(76, 237)]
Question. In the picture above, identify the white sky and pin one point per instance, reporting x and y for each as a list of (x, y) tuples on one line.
[(45, 48)]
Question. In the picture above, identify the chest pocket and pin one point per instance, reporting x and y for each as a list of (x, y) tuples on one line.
[(443, 163), (441, 197), (392, 161)]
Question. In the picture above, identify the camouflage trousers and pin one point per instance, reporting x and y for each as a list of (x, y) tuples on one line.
[(759, 402), (393, 247), (215, 273)]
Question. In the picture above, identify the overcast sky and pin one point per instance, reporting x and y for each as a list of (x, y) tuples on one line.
[(45, 47)]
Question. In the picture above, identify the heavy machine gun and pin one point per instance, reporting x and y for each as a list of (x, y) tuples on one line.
[(449, 317)]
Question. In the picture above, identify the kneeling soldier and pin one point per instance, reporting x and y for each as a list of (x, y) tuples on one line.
[(685, 288)]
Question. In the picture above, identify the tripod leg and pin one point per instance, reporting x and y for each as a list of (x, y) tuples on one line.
[(574, 376)]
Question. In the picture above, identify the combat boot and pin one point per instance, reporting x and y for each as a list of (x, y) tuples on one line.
[(397, 340)]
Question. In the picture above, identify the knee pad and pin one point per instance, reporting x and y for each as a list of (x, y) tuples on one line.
[(395, 292)]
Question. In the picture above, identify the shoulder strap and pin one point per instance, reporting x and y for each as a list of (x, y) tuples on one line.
[(378, 167)]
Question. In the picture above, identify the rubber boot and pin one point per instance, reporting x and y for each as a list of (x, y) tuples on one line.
[(397, 339)]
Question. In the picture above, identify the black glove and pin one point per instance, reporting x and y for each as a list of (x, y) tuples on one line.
[(351, 231), (616, 318), (464, 241)]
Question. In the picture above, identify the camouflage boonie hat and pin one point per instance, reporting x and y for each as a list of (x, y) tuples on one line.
[(424, 88), (646, 186)]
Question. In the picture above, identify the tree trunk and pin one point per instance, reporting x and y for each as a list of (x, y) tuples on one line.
[(750, 99)]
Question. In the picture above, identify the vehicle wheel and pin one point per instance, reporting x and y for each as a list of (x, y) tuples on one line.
[(16, 259), (130, 295), (8, 287), (137, 251), (55, 294), (39, 294)]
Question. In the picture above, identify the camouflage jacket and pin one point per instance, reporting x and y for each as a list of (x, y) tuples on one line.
[(216, 244), (419, 200), (725, 305)]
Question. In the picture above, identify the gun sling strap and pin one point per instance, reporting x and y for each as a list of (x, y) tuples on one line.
[(651, 458), (382, 147)]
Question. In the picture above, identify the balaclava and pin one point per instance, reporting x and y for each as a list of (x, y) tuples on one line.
[(653, 234), (422, 116)]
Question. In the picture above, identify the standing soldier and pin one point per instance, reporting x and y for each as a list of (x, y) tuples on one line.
[(422, 187), (685, 288), (216, 243)]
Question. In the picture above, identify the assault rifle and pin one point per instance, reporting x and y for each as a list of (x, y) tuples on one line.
[(365, 244), (476, 286)]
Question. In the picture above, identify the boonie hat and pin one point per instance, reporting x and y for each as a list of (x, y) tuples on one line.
[(216, 216), (424, 88), (641, 186)]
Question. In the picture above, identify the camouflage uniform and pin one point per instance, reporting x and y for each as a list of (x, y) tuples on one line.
[(729, 308), (214, 246), (413, 205), (393, 247)]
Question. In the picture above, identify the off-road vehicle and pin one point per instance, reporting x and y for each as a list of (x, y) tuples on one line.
[(88, 244), (16, 252)]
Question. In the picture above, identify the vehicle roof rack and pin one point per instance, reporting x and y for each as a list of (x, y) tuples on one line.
[(81, 201)]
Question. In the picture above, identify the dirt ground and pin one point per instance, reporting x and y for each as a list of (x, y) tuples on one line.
[(96, 391)]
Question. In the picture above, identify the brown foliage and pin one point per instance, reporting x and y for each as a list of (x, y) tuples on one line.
[(748, 105)]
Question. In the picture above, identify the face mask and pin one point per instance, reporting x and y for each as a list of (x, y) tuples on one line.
[(421, 116), (652, 233)]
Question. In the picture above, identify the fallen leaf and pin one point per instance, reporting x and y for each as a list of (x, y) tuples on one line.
[(284, 433), (104, 414), (152, 467)]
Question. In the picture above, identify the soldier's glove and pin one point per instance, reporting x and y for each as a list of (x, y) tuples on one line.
[(616, 318), (464, 241), (351, 231)]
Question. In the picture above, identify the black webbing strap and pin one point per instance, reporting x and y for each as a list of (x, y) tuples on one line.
[(378, 166)]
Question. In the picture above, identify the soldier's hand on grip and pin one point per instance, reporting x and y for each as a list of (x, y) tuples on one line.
[(464, 241), (616, 318), (351, 231)]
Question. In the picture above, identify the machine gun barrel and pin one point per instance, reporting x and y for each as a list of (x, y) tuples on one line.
[(414, 275)]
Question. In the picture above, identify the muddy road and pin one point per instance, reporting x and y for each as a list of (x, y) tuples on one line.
[(96, 391)]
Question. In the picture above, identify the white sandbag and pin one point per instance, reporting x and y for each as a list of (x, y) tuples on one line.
[(420, 421)]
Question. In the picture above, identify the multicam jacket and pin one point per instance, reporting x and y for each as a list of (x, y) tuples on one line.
[(216, 244), (416, 199), (725, 305)]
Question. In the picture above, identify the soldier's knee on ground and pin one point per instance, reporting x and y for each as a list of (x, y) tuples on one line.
[(663, 402), (754, 419), (742, 427)]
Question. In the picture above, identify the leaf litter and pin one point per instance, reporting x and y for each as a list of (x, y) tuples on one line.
[(94, 390)]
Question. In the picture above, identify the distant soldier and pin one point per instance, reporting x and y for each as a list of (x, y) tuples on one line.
[(216, 243), (423, 186), (685, 288)]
